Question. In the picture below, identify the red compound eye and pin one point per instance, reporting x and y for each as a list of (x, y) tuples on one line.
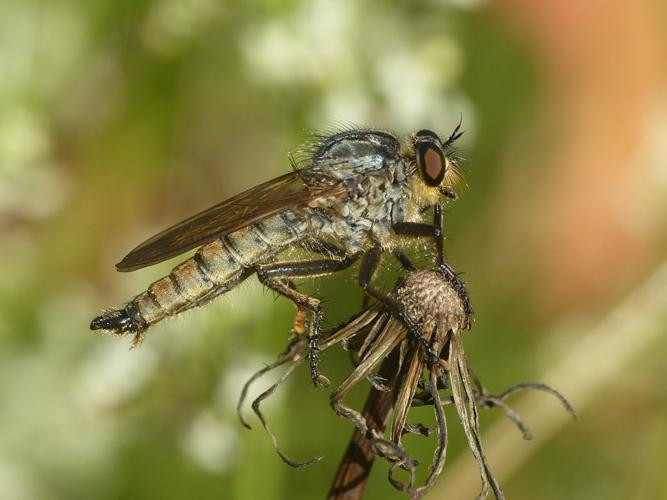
[(431, 162)]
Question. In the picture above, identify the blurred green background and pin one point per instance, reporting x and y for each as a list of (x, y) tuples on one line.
[(118, 118)]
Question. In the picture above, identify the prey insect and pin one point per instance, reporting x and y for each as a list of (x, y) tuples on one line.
[(353, 195), (437, 302), (438, 305)]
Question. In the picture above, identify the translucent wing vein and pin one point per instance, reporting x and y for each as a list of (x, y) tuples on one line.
[(255, 204)]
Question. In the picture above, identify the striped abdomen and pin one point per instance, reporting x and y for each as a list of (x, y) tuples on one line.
[(217, 267)]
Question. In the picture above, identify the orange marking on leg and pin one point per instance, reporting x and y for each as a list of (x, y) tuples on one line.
[(300, 322)]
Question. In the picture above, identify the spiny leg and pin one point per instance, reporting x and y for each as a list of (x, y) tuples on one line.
[(369, 265), (276, 277), (327, 249), (423, 230), (308, 303), (434, 231), (300, 323), (404, 260), (323, 247)]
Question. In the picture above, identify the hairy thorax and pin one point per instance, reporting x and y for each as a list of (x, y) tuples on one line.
[(376, 200), (381, 189)]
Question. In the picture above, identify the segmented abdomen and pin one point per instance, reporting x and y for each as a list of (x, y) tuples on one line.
[(217, 267)]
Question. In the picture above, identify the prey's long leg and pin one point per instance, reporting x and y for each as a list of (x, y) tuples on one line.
[(369, 266), (276, 277), (435, 231)]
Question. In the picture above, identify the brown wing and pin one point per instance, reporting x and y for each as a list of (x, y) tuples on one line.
[(250, 206)]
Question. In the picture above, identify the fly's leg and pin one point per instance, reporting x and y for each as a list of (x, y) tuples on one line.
[(276, 276), (300, 324), (323, 247), (421, 230), (369, 265), (405, 261), (303, 302)]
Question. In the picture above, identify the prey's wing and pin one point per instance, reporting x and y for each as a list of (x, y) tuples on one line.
[(250, 206)]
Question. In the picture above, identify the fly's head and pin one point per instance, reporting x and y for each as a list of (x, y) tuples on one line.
[(435, 168)]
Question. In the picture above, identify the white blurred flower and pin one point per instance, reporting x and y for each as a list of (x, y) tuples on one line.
[(30, 185), (41, 45), (63, 414), (236, 374), (370, 71), (17, 483), (346, 103), (111, 375), (210, 442), (311, 45), (417, 83)]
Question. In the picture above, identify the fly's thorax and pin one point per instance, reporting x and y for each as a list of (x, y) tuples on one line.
[(349, 145), (374, 202), (375, 174)]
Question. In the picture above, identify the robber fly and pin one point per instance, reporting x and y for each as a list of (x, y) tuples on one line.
[(348, 198)]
